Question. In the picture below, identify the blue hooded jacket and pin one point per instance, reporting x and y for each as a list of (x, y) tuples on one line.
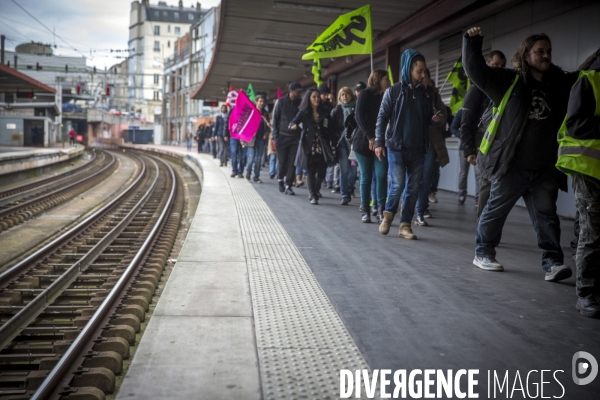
[(395, 109)]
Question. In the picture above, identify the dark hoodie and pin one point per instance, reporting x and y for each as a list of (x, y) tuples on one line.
[(581, 122), (407, 109)]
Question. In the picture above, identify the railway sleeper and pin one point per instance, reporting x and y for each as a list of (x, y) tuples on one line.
[(99, 377), (123, 331), (10, 297), (116, 344), (82, 393)]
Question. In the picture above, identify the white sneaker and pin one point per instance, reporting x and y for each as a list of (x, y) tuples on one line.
[(432, 198), (487, 263)]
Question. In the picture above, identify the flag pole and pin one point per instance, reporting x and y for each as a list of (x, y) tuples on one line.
[(371, 61)]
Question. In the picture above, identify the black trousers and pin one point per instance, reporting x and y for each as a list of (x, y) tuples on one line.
[(286, 148), (315, 174), (587, 200)]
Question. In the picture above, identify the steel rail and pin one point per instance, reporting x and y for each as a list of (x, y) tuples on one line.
[(57, 378), (22, 265), (22, 206), (41, 183), (13, 326)]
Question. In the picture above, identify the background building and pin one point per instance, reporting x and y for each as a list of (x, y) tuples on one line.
[(153, 30)]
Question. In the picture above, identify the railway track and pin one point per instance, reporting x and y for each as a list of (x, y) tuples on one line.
[(70, 311), (22, 203)]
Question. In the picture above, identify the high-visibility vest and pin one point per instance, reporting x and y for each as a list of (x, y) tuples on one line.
[(490, 132), (578, 155)]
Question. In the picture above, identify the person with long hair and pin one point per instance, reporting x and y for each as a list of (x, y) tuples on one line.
[(363, 143), (254, 149), (518, 154), (314, 150), (345, 107)]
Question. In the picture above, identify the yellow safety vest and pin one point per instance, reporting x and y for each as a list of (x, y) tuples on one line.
[(490, 132), (577, 155)]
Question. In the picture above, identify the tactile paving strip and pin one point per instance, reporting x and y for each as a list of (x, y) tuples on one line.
[(302, 342)]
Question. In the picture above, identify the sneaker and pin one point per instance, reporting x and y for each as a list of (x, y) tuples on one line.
[(319, 195), (589, 306), (288, 190), (330, 186), (233, 175), (462, 197), (427, 214), (257, 180), (420, 221), (406, 232), (314, 201), (345, 201), (281, 187), (335, 190), (558, 273), (272, 176), (432, 198), (241, 176), (374, 210), (247, 176), (476, 203), (487, 263), (360, 208)]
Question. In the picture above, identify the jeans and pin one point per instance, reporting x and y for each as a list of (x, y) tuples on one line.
[(236, 156), (406, 170), (286, 147), (346, 184), (315, 174), (587, 200), (273, 164), (222, 147), (329, 176), (369, 166), (429, 167), (435, 180), (539, 189), (253, 155)]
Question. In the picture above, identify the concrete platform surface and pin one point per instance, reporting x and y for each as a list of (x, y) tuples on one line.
[(402, 305)]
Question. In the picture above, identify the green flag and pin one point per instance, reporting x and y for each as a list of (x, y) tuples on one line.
[(390, 74), (316, 71), (250, 92), (460, 84), (350, 34)]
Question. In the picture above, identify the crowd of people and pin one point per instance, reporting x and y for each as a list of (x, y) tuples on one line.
[(395, 135)]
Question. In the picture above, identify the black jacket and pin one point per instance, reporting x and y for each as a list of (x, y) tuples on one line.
[(367, 108), (495, 82), (309, 127), (285, 110), (471, 129), (392, 111), (581, 122), (337, 127)]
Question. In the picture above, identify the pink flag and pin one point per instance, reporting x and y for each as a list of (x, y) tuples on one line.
[(244, 119), (279, 94)]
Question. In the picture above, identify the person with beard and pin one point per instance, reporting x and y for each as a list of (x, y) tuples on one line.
[(519, 149)]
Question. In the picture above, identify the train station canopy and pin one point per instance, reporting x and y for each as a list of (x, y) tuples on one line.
[(262, 42), (13, 81)]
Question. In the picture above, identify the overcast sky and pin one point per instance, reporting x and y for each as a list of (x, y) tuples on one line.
[(85, 25)]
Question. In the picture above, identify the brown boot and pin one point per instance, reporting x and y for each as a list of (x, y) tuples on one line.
[(384, 227), (406, 232)]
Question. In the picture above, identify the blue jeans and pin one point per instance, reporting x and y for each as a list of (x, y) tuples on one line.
[(273, 164), (406, 170), (370, 166), (539, 189), (253, 155), (345, 184), (235, 149), (429, 168)]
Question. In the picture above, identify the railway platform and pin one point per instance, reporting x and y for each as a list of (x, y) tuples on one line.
[(19, 159), (272, 297)]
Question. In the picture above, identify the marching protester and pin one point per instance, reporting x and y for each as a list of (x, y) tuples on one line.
[(327, 104), (578, 155), (236, 152), (519, 150), (363, 144), (286, 139), (345, 107), (475, 117), (199, 138), (188, 141), (359, 87), (272, 154), (254, 149), (222, 145), (315, 150), (408, 109), (437, 156)]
